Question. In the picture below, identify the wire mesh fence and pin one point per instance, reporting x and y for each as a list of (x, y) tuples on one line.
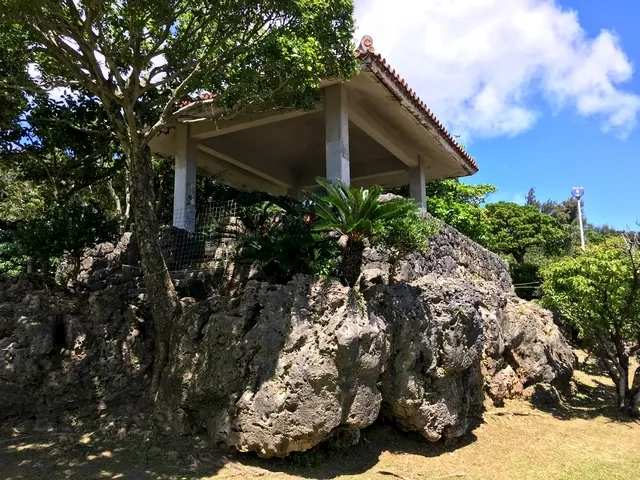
[(200, 239)]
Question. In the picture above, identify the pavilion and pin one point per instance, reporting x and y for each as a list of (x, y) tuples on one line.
[(372, 129)]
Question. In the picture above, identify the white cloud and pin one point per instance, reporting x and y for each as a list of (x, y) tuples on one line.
[(482, 64)]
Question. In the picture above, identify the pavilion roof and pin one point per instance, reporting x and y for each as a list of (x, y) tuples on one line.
[(408, 97)]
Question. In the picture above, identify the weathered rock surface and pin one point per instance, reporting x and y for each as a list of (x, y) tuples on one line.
[(280, 368), (66, 356), (522, 344)]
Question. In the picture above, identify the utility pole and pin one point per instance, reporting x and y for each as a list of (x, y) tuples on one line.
[(578, 193)]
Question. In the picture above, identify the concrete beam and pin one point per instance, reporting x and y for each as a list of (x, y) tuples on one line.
[(213, 128), (237, 177), (336, 118), (244, 166), (377, 132), (381, 176), (391, 179), (184, 198)]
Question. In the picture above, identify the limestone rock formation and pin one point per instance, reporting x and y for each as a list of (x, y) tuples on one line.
[(281, 367), (277, 369), (65, 355)]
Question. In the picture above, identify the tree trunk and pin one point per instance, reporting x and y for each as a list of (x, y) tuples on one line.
[(31, 264), (118, 205), (628, 397), (622, 391), (352, 261), (165, 306), (634, 394), (518, 257)]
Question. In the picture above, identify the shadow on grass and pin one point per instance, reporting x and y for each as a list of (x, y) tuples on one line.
[(324, 462), (89, 456), (92, 456), (595, 397)]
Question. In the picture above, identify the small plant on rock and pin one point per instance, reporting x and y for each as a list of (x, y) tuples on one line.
[(360, 216), (405, 235), (280, 237)]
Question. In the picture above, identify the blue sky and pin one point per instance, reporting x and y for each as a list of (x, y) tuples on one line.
[(546, 94)]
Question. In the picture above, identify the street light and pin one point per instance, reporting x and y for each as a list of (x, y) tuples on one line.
[(578, 193)]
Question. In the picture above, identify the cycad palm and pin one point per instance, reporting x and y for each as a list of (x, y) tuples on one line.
[(359, 215)]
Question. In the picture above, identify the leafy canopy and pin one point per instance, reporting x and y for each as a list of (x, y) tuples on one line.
[(514, 229), (457, 204), (597, 291), (142, 59)]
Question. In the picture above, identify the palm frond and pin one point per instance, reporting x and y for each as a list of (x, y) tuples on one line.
[(355, 211)]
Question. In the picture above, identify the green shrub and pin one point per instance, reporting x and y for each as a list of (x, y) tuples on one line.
[(278, 234), (402, 236)]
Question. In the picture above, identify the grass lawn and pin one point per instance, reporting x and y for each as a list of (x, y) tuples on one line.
[(585, 439)]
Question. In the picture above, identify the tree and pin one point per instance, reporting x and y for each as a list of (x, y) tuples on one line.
[(565, 212), (598, 291), (50, 168), (514, 229), (358, 214), (531, 199), (67, 229), (146, 63), (457, 204)]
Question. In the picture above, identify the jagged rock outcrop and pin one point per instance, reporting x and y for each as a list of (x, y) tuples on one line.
[(277, 369), (522, 343)]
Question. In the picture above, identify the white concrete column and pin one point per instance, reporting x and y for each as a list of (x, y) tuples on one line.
[(417, 185), (336, 119), (184, 193)]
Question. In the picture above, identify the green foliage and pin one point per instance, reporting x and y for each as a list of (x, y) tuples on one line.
[(595, 291), (359, 215), (565, 212), (356, 213), (404, 235), (12, 260), (597, 235), (252, 54), (598, 292), (457, 204), (531, 199), (290, 248), (279, 234), (53, 177), (286, 236), (64, 229), (513, 229)]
